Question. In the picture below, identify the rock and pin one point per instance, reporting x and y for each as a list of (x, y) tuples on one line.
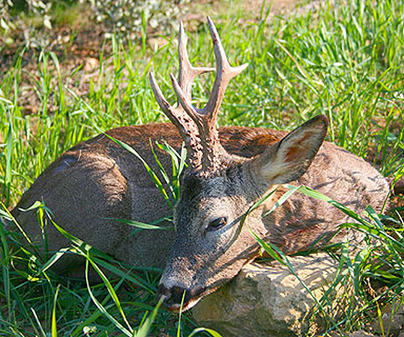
[(392, 321), (91, 64), (267, 299), (361, 334)]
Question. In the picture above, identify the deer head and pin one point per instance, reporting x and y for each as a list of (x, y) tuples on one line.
[(218, 188)]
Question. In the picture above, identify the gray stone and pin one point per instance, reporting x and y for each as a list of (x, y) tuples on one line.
[(392, 321), (267, 299), (361, 334)]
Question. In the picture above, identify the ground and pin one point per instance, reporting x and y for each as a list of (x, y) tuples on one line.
[(78, 43)]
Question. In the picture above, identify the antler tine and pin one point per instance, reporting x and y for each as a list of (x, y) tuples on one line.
[(186, 104), (163, 103), (224, 73), (187, 73), (184, 124), (161, 100)]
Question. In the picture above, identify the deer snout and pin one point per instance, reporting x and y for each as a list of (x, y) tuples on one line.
[(175, 296)]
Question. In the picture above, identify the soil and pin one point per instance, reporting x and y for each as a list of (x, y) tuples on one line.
[(79, 44)]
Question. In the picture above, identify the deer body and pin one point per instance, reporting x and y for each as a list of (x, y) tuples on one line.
[(230, 169), (98, 181)]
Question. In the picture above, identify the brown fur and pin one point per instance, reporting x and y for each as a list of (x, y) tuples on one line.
[(89, 183)]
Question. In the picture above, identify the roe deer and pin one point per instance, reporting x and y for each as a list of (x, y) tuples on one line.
[(97, 182)]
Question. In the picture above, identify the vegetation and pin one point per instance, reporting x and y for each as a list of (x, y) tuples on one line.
[(342, 61)]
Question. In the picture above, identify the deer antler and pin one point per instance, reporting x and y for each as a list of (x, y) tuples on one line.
[(185, 125), (198, 126)]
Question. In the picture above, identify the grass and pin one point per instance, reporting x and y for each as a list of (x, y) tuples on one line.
[(359, 273), (342, 61)]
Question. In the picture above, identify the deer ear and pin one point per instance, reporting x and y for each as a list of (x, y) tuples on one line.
[(288, 159)]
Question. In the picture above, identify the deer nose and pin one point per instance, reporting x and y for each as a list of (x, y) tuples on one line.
[(173, 297)]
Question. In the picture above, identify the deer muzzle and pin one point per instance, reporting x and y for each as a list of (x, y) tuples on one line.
[(178, 299)]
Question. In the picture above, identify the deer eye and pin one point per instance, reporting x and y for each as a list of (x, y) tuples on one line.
[(217, 224)]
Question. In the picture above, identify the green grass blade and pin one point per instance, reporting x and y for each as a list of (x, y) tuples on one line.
[(100, 307), (142, 225), (145, 328), (111, 292), (9, 148), (154, 177), (38, 322), (210, 331), (54, 325)]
